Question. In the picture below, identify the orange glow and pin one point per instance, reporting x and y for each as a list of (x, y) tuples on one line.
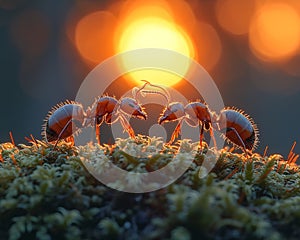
[(94, 36), (275, 32), (144, 33), (152, 26), (183, 15), (235, 15), (210, 48), (134, 24)]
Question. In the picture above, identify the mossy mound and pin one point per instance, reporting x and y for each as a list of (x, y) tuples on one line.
[(46, 194)]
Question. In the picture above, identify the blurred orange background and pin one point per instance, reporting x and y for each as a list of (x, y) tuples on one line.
[(250, 48)]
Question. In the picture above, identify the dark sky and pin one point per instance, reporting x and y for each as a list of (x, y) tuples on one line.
[(40, 67)]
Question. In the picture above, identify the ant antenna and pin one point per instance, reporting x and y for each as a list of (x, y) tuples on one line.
[(157, 92), (166, 94), (140, 89)]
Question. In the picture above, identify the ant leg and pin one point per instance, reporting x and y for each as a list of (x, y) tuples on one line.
[(176, 132), (61, 132), (201, 135), (240, 139), (127, 126), (211, 133), (98, 133), (98, 122)]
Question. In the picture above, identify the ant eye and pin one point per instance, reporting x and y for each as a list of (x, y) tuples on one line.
[(131, 105)]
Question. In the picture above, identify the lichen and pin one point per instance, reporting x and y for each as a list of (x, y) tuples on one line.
[(50, 194)]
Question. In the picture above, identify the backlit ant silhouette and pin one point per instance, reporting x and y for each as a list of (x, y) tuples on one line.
[(239, 128), (58, 123), (67, 118)]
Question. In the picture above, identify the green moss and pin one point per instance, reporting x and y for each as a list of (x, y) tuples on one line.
[(46, 194)]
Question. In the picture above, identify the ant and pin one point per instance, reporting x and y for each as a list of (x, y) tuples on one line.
[(239, 128), (67, 118)]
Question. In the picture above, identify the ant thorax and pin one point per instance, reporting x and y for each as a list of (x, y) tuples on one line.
[(197, 110)]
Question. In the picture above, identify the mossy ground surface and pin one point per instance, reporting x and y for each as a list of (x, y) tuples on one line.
[(46, 194)]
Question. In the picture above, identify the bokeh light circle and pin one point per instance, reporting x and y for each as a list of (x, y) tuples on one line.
[(234, 16), (275, 32), (209, 45), (94, 36)]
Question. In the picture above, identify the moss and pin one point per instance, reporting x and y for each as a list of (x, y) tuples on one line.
[(48, 194)]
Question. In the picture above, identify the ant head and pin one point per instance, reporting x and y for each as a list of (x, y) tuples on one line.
[(131, 107), (172, 112)]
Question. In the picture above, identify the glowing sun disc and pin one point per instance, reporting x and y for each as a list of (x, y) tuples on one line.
[(155, 32)]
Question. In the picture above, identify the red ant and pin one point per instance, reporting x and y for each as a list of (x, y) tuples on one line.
[(239, 128), (67, 118)]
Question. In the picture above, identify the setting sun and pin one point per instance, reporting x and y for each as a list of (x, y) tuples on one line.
[(154, 32)]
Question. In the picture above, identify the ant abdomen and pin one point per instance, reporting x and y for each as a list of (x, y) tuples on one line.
[(239, 128), (58, 123)]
